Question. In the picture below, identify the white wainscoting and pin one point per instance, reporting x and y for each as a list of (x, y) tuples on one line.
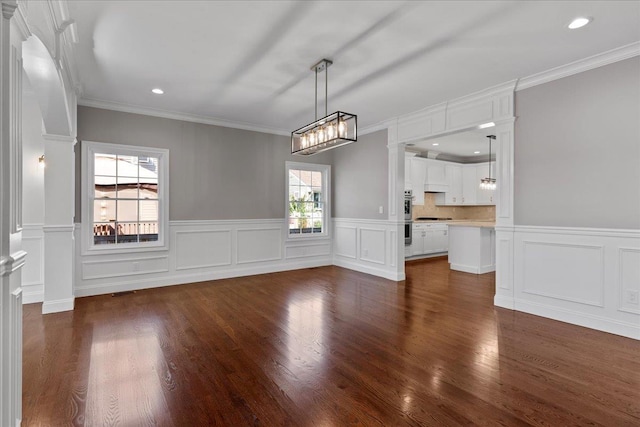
[(588, 277), (33, 270), (369, 246), (199, 251)]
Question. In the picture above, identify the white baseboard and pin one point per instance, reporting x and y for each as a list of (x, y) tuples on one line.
[(504, 302), (473, 269), (612, 326), (380, 272), (32, 293), (57, 305)]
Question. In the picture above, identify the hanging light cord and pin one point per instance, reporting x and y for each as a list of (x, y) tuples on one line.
[(326, 89), (489, 158)]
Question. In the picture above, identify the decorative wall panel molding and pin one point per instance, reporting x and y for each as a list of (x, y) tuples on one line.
[(258, 245), (200, 251), (563, 271), (629, 280), (373, 245), (123, 267), (588, 277), (33, 270), (367, 246), (345, 240)]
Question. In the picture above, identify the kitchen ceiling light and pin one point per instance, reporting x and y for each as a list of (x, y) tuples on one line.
[(331, 131), (435, 144), (476, 152), (578, 23), (488, 183), (157, 91)]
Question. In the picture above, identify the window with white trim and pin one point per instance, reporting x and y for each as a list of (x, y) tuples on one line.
[(125, 196), (308, 195)]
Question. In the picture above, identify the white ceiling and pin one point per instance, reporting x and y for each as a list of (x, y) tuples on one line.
[(248, 63), (466, 147)]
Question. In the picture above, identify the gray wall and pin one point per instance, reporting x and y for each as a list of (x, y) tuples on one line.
[(577, 150), (215, 172), (360, 178)]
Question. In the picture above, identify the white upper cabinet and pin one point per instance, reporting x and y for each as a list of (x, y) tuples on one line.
[(436, 179), (470, 185), (463, 185), (418, 177), (453, 195), (455, 184)]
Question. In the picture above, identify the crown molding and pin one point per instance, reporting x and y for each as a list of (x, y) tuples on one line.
[(126, 108), (384, 125), (581, 65), (21, 23), (59, 138)]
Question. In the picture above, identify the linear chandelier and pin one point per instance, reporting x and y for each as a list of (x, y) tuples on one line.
[(331, 131), (489, 183)]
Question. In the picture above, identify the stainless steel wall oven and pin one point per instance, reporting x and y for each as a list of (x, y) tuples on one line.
[(408, 223)]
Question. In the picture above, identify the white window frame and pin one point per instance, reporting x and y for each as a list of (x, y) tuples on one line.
[(326, 193), (89, 149)]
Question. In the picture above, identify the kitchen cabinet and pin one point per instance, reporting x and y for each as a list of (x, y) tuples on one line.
[(436, 179), (464, 185), (407, 173), (418, 177), (470, 184), (472, 247), (453, 195), (429, 239)]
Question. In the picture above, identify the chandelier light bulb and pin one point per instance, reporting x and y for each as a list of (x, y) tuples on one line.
[(331, 131), (342, 129)]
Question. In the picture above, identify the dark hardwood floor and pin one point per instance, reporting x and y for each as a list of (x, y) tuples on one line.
[(322, 347)]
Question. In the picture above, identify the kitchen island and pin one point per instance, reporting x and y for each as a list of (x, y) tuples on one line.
[(472, 247)]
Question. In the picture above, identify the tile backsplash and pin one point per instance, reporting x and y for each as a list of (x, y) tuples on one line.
[(487, 213)]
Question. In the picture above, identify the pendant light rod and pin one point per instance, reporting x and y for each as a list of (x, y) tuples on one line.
[(326, 89), (318, 67)]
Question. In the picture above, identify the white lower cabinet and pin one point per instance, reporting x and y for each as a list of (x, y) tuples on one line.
[(429, 239)]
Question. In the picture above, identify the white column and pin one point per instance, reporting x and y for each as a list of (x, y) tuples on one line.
[(59, 203), (396, 197), (12, 256), (504, 296)]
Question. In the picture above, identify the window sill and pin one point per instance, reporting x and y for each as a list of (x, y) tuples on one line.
[(123, 249)]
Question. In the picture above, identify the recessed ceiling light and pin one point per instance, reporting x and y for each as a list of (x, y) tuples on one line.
[(476, 152), (435, 144), (579, 23), (486, 125), (157, 91)]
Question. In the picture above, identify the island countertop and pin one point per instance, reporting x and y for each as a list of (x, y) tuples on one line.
[(471, 223)]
